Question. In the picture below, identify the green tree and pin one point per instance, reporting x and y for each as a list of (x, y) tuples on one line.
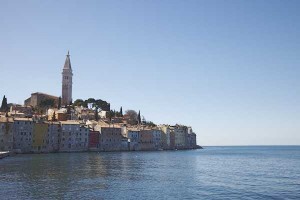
[(69, 112), (4, 106), (139, 118), (100, 103), (132, 117), (110, 114), (78, 102), (59, 103), (96, 114), (121, 112), (150, 123), (54, 116)]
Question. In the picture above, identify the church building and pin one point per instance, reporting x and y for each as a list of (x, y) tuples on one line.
[(39, 98)]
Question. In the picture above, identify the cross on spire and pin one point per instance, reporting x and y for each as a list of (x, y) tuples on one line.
[(68, 62)]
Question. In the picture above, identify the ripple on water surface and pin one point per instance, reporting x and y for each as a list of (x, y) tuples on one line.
[(211, 173)]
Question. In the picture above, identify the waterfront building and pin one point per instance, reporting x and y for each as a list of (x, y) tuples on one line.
[(191, 138), (146, 139), (165, 136), (67, 75), (40, 130), (133, 136), (180, 133), (157, 134), (94, 137), (52, 138), (172, 138), (22, 134), (111, 139), (46, 137), (74, 136), (6, 134)]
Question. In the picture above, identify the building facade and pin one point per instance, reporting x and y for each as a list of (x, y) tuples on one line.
[(133, 136), (157, 134), (40, 130), (94, 137), (146, 139), (74, 136), (22, 134), (6, 134), (111, 139), (180, 133)]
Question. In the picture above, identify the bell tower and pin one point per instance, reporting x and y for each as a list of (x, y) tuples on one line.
[(67, 75)]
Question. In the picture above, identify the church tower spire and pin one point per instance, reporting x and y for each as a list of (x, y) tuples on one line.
[(67, 75)]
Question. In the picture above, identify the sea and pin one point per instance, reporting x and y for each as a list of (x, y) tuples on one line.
[(239, 172)]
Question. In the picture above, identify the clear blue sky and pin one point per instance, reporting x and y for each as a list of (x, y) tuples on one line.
[(230, 69)]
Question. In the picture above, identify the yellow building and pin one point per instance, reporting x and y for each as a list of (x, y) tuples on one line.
[(40, 130)]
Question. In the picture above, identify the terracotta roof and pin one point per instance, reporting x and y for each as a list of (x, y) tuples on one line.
[(49, 95), (70, 122), (22, 119)]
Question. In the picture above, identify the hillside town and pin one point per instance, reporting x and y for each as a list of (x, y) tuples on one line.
[(48, 123)]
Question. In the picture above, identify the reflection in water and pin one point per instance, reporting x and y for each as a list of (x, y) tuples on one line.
[(212, 173)]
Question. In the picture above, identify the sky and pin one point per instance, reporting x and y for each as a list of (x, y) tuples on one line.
[(230, 69)]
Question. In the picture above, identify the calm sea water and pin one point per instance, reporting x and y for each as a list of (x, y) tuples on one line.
[(211, 173)]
